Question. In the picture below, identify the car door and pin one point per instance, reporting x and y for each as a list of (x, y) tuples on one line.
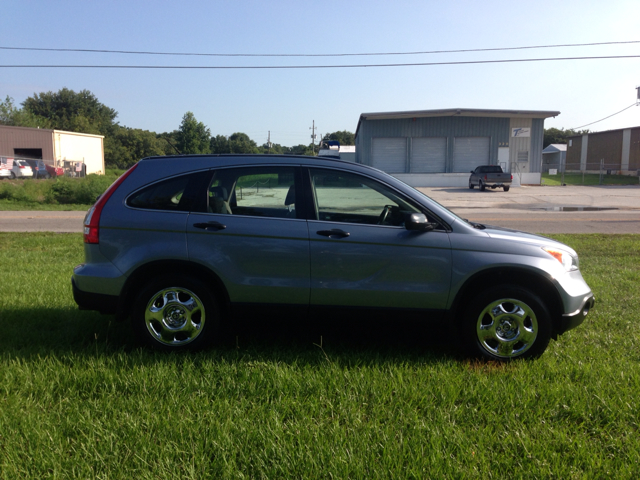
[(361, 253), (253, 237)]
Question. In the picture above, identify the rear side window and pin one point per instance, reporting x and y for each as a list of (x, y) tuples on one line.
[(254, 191), (175, 194)]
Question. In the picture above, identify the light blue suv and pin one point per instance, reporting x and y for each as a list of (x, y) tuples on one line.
[(182, 244)]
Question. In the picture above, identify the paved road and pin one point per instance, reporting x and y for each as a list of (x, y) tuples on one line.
[(532, 209)]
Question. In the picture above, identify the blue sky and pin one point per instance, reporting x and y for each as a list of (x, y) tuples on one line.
[(286, 102)]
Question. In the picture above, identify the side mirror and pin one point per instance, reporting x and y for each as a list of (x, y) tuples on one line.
[(471, 171), (417, 222)]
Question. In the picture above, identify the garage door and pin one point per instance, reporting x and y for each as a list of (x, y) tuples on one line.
[(428, 155), (469, 152), (390, 154)]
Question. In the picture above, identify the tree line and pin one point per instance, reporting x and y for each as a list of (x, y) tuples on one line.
[(123, 146)]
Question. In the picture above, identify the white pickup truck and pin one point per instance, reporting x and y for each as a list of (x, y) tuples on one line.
[(490, 176)]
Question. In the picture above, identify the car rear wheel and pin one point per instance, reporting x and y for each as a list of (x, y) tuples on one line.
[(13, 176), (481, 186), (176, 313), (505, 323), (506, 189)]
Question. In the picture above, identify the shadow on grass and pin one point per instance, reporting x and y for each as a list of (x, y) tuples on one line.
[(38, 332)]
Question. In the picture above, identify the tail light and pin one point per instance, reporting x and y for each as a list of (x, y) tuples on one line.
[(485, 177), (92, 220), (511, 177), (21, 166)]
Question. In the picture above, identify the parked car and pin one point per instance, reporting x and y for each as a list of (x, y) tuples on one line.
[(181, 245), (21, 169), (43, 170), (5, 168), (490, 176)]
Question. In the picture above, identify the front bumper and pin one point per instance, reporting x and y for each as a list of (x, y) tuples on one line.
[(572, 320)]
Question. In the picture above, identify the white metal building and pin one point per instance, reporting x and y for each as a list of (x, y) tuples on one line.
[(55, 147)]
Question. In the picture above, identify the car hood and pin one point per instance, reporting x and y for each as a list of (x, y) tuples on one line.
[(530, 238)]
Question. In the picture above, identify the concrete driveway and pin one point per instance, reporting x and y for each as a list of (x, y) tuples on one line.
[(571, 209)]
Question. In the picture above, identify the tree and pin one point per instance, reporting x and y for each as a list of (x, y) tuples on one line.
[(301, 150), (169, 141), (71, 111), (276, 149), (18, 117), (132, 144), (193, 136), (342, 136), (554, 135), (219, 144), (241, 143)]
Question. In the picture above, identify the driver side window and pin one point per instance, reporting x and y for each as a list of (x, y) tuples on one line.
[(349, 198)]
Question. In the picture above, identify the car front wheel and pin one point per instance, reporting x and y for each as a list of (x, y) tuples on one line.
[(470, 185), (504, 323), (481, 186), (176, 313)]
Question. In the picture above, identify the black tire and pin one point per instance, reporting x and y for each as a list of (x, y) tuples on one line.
[(470, 185), (505, 323), (506, 189), (47, 176), (186, 316), (13, 176), (481, 186)]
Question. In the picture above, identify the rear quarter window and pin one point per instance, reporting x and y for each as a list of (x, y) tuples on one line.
[(173, 194)]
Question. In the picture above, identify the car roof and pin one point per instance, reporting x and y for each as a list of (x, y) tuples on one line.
[(230, 159)]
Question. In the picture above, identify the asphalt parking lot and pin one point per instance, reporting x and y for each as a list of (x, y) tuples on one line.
[(544, 209)]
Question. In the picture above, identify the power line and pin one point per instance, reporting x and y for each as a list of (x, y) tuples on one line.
[(292, 67), (632, 105), (133, 52)]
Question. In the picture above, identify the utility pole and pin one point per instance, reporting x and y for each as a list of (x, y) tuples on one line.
[(269, 141), (313, 137)]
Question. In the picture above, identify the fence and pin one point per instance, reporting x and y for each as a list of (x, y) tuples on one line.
[(68, 168), (591, 173)]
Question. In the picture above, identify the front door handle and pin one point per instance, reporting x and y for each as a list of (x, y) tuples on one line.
[(333, 233), (214, 226)]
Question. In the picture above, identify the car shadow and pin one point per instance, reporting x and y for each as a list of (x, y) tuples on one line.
[(31, 333)]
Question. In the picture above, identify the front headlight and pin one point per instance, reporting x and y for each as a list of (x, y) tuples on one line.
[(568, 261)]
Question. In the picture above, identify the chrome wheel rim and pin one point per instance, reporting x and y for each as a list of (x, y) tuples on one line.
[(175, 316), (507, 328)]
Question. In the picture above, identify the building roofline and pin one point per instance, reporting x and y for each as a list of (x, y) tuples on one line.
[(27, 128), (49, 130), (457, 112), (604, 131), (78, 133)]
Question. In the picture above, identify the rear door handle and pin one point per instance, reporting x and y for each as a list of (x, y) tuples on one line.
[(333, 233), (210, 226)]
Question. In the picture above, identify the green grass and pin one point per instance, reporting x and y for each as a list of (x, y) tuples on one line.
[(589, 179), (54, 194), (78, 399)]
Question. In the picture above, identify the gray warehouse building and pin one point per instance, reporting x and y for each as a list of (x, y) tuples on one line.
[(439, 147)]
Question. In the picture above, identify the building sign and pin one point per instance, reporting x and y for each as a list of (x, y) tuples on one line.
[(520, 132)]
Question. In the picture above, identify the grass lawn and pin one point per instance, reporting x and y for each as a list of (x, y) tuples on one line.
[(589, 179), (78, 399)]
